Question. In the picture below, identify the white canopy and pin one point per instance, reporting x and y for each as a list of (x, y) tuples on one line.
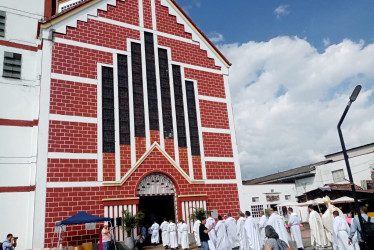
[(344, 199), (288, 204)]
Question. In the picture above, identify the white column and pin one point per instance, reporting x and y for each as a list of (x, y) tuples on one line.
[(116, 119)]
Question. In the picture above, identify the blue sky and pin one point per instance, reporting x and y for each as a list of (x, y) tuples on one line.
[(294, 65)]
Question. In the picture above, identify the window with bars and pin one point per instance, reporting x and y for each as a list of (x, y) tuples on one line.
[(123, 100), (108, 110), (167, 117), (192, 118), (12, 65), (179, 110), (256, 209), (2, 23)]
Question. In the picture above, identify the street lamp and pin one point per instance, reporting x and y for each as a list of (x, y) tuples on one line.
[(352, 98)]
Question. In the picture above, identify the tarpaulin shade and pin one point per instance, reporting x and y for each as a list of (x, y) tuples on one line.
[(80, 218)]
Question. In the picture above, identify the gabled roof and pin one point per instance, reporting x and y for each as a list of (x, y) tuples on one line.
[(86, 3)]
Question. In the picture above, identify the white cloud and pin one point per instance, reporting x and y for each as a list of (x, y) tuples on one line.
[(326, 41), (281, 10), (288, 98), (216, 37)]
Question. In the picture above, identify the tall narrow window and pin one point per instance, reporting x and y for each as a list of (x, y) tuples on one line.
[(123, 100), (137, 81), (151, 81), (167, 117), (12, 65), (108, 110), (179, 110), (2, 23), (192, 118)]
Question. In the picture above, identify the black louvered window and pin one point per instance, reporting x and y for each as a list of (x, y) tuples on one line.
[(108, 110), (123, 100), (137, 81), (192, 118), (151, 81), (2, 23), (12, 65), (179, 110), (167, 117)]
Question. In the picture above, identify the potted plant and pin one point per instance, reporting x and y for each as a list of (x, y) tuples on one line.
[(129, 222), (198, 214)]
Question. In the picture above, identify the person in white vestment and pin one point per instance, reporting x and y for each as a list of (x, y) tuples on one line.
[(184, 236), (242, 236), (294, 223), (154, 231), (165, 233), (179, 231), (212, 233), (278, 224), (340, 233), (196, 226), (172, 229), (328, 218), (253, 237), (222, 241), (261, 226), (231, 231), (317, 233)]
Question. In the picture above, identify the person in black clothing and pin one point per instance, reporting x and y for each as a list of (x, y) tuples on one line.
[(203, 232)]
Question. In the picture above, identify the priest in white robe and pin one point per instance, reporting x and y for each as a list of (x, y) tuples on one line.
[(179, 231), (317, 233), (231, 231), (328, 218), (341, 231), (253, 237), (242, 236), (294, 223), (172, 229), (278, 224), (261, 226), (222, 242), (212, 233), (196, 227), (165, 233), (154, 230), (184, 236)]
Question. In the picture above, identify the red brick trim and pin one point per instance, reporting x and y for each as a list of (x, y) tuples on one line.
[(18, 123), (18, 45), (121, 202), (17, 189), (193, 198)]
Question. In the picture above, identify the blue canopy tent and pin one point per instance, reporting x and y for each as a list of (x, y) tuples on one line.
[(79, 218)]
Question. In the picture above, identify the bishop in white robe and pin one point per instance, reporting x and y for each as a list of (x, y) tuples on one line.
[(212, 233), (328, 218), (196, 226), (242, 236), (261, 226), (154, 229), (222, 242), (317, 233), (172, 229), (294, 223), (165, 233), (232, 232), (340, 233), (279, 226), (184, 236), (252, 232)]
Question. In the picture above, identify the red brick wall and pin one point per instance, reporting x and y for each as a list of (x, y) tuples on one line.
[(64, 202), (197, 167), (167, 23), (217, 145), (183, 160), (125, 156), (220, 170), (140, 146), (209, 84), (155, 136), (72, 137), (101, 34), (125, 11), (147, 14), (65, 170), (73, 98), (109, 167), (214, 114), (77, 61), (169, 147)]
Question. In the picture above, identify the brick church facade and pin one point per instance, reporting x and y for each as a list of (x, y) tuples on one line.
[(135, 113)]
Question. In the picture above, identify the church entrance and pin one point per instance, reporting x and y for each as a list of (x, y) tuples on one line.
[(157, 198)]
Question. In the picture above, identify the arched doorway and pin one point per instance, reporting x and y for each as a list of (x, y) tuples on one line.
[(157, 198)]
